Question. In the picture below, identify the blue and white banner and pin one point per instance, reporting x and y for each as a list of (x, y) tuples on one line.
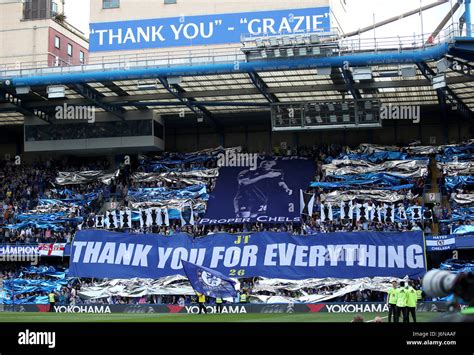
[(457, 182), (165, 193), (464, 229), (205, 29), (375, 157), (101, 254), (440, 242), (267, 194), (53, 221), (77, 200)]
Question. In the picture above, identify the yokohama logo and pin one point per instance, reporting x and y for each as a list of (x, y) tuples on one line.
[(213, 309), (82, 309), (356, 308)]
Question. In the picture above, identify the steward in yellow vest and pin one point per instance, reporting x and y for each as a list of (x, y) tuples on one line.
[(218, 305), (412, 299), (402, 296), (392, 302), (244, 298), (201, 302), (52, 301)]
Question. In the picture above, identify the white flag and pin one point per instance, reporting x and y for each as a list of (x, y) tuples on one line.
[(126, 219), (186, 214), (164, 216), (111, 220), (99, 221)]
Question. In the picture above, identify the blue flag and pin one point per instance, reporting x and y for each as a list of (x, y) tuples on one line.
[(209, 282)]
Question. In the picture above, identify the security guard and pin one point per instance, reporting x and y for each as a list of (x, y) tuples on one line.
[(218, 305), (419, 295), (52, 301), (392, 303), (402, 296), (412, 299), (202, 302), (244, 297)]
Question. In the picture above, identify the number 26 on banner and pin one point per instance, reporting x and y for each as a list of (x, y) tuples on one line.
[(234, 272)]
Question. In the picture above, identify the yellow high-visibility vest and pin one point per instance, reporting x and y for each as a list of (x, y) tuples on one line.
[(51, 297), (218, 300), (202, 298), (243, 298), (392, 296)]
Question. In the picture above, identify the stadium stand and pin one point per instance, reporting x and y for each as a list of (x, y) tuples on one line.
[(48, 202)]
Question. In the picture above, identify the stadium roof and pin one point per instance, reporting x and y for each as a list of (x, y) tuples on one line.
[(217, 91)]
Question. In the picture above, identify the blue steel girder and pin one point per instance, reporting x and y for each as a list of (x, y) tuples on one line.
[(96, 97), (262, 87), (191, 103), (349, 80), (19, 107), (358, 59), (447, 93)]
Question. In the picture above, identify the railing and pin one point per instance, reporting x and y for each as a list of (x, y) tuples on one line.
[(231, 54), (400, 43), (52, 61), (139, 60)]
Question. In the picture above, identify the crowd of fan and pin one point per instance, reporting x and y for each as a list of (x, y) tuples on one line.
[(461, 197), (69, 294), (22, 186)]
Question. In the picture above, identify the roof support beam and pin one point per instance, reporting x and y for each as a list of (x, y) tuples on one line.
[(200, 103), (262, 87), (21, 108), (190, 102), (118, 90), (461, 67), (347, 75), (446, 93), (252, 91), (96, 97)]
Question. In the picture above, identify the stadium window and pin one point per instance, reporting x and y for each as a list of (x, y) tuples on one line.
[(57, 42), (110, 4), (170, 2), (81, 57), (158, 130), (69, 49)]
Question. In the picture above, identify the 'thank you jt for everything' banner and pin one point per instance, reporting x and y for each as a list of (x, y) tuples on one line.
[(102, 254), (205, 29), (267, 193)]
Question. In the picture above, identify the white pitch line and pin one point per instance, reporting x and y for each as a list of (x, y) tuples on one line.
[(370, 321)]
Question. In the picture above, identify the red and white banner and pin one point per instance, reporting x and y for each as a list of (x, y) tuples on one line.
[(50, 249)]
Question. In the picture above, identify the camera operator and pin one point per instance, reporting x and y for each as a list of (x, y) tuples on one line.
[(441, 283)]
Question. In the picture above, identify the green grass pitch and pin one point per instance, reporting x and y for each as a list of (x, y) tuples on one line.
[(212, 318)]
